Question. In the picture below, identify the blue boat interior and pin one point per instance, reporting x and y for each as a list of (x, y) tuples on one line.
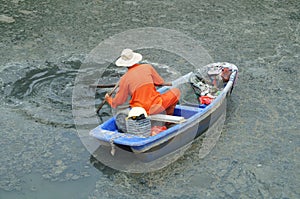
[(180, 110)]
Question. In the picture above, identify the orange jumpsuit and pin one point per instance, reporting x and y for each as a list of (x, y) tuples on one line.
[(139, 83)]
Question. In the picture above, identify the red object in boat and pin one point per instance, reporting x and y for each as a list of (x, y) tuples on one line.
[(157, 129), (205, 100)]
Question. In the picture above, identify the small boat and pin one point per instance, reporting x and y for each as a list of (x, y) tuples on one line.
[(189, 121)]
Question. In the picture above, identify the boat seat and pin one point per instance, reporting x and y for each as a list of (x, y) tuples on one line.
[(167, 118)]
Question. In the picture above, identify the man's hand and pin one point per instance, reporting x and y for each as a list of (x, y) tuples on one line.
[(107, 97)]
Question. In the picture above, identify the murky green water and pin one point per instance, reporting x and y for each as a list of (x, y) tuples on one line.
[(42, 46)]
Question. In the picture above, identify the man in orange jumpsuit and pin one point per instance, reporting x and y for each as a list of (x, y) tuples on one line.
[(139, 82)]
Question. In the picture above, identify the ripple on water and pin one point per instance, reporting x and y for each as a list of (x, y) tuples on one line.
[(41, 143), (42, 93)]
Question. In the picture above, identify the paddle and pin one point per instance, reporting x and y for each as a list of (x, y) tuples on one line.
[(109, 93), (102, 85), (113, 85)]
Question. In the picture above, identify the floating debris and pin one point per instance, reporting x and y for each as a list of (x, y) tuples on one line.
[(6, 19), (26, 12)]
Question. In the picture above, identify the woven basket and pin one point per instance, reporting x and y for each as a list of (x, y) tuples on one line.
[(140, 127)]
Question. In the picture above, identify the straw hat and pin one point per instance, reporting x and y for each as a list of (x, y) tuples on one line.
[(128, 58)]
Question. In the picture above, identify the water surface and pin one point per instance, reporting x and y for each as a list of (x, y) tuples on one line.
[(43, 44)]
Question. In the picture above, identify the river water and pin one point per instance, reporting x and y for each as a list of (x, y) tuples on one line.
[(43, 44)]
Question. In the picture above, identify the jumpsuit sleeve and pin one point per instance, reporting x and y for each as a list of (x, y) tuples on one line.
[(120, 97)]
